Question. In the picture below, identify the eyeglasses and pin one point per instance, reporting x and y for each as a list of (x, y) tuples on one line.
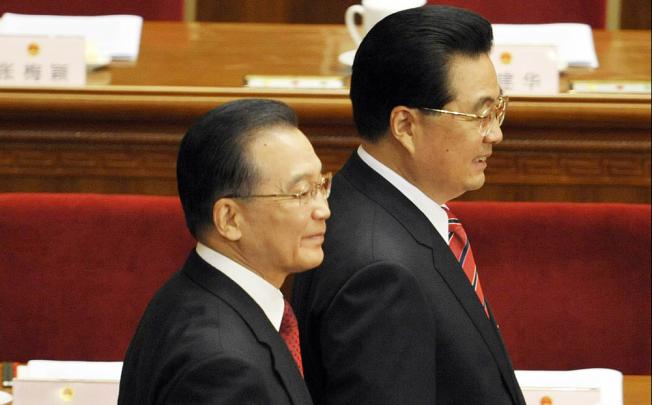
[(321, 188), (494, 115)]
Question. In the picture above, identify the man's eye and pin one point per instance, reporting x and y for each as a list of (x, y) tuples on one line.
[(304, 193), (486, 111)]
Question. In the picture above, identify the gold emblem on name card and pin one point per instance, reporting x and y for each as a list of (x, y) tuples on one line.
[(506, 58), (33, 49)]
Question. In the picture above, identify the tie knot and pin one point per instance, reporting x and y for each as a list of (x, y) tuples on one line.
[(289, 321), (452, 218)]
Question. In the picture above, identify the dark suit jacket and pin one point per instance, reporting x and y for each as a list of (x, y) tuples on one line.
[(204, 340), (390, 317)]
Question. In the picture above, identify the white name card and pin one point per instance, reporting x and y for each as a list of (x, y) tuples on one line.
[(593, 386), (527, 69), (65, 392), (561, 396), (34, 61)]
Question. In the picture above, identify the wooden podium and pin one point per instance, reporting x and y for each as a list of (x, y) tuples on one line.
[(120, 133)]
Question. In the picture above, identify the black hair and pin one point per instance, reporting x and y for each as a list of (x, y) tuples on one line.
[(213, 161), (404, 60)]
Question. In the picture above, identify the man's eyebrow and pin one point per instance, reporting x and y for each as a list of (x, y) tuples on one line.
[(303, 176), (484, 100)]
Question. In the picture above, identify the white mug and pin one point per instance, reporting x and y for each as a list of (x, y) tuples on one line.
[(372, 11)]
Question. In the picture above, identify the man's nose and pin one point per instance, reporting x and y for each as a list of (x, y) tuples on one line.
[(322, 210), (495, 135)]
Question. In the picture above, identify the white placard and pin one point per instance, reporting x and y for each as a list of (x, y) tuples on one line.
[(574, 41), (67, 383), (32, 61), (561, 396), (116, 36), (526, 69), (65, 392), (582, 384)]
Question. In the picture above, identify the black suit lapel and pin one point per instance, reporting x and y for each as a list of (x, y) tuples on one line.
[(393, 201), (223, 287)]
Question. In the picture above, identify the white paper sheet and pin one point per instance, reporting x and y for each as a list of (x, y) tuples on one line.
[(610, 382), (574, 41), (5, 398), (117, 36), (71, 370)]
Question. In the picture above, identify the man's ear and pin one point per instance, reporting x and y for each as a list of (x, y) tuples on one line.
[(227, 217), (402, 125)]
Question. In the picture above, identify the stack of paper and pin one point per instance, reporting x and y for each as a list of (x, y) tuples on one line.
[(117, 36), (70, 370), (63, 382), (608, 381), (574, 41)]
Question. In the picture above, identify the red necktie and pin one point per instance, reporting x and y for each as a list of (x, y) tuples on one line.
[(461, 248), (290, 333)]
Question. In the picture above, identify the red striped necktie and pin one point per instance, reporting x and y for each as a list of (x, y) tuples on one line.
[(289, 331), (461, 248)]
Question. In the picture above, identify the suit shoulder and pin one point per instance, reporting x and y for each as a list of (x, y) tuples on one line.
[(185, 338), (362, 231)]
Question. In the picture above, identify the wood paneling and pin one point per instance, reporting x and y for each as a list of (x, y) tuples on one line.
[(635, 14), (636, 390)]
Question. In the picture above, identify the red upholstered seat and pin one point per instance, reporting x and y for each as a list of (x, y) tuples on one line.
[(568, 283), (592, 12), (171, 10), (78, 270)]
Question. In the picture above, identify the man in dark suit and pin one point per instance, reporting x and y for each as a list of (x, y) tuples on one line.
[(219, 331), (395, 315)]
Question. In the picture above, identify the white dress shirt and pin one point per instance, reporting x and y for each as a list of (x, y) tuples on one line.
[(268, 297), (433, 211)]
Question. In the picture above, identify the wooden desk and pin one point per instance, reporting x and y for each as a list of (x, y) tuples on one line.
[(120, 133), (636, 390)]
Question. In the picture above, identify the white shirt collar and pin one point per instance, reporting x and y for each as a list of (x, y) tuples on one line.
[(435, 214), (267, 296)]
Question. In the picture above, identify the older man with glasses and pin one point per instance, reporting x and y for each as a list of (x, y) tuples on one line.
[(219, 331), (397, 314)]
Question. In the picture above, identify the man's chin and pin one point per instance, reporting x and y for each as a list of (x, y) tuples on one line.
[(476, 183), (310, 261)]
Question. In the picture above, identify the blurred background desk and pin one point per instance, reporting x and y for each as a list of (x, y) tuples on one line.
[(120, 133), (636, 390)]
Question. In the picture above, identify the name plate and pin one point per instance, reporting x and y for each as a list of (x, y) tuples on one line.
[(294, 82), (65, 392), (34, 61), (561, 396), (527, 69)]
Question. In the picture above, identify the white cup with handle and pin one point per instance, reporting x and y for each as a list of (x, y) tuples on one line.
[(372, 11)]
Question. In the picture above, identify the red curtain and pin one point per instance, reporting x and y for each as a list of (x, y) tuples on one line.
[(171, 10), (592, 12)]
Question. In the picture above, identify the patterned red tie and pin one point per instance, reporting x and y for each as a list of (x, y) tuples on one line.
[(290, 333), (461, 248)]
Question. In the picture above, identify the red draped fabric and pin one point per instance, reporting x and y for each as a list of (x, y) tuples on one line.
[(171, 10), (592, 12)]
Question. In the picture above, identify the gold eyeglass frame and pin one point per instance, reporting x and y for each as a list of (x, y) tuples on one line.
[(497, 112), (323, 187)]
